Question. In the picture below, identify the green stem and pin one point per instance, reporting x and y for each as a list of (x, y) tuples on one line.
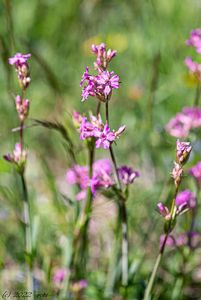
[(162, 248), (152, 278), (28, 238), (197, 94), (123, 212)]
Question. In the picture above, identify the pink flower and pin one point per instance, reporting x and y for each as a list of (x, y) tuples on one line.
[(195, 39), (163, 211), (19, 59), (59, 275), (185, 200), (183, 150), (18, 157), (102, 133), (99, 86), (177, 173), (21, 65), (180, 126), (195, 171), (127, 175), (106, 81), (103, 56), (102, 177)]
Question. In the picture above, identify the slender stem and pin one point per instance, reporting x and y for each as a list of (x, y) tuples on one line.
[(123, 212), (28, 238), (197, 94), (162, 249), (152, 278)]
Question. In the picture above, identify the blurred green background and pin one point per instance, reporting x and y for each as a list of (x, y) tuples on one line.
[(150, 39)]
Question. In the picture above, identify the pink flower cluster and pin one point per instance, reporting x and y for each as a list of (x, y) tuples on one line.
[(95, 128), (22, 68), (18, 157), (195, 41), (185, 200), (102, 177), (186, 120), (102, 84)]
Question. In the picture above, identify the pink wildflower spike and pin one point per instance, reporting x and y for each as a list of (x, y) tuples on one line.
[(183, 150), (22, 68), (163, 211), (127, 175), (195, 172)]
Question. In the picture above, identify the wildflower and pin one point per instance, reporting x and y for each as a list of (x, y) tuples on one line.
[(163, 211), (99, 86), (185, 200), (127, 175), (22, 107), (103, 56), (183, 150), (59, 275), (18, 157), (102, 133), (180, 126), (195, 39), (193, 67), (195, 171), (79, 175), (102, 177), (19, 59), (22, 68)]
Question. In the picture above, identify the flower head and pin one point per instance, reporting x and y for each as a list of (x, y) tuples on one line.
[(59, 275), (183, 150), (195, 39), (127, 175), (163, 211), (103, 56), (177, 173), (19, 59), (185, 200), (99, 86), (22, 68), (18, 157)]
